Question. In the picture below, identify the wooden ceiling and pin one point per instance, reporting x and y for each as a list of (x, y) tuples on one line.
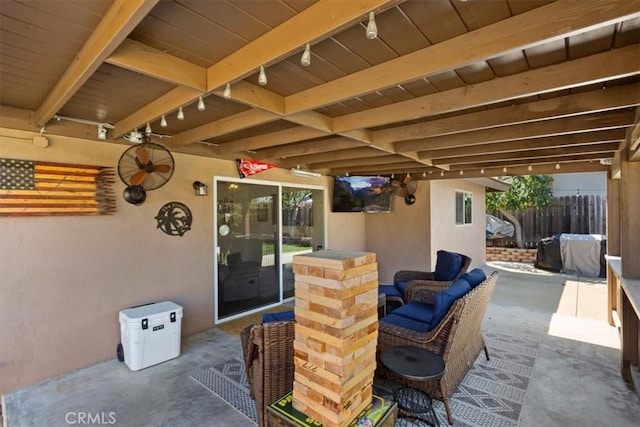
[(448, 87)]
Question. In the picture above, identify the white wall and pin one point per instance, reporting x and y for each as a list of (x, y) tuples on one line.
[(445, 234), (573, 184)]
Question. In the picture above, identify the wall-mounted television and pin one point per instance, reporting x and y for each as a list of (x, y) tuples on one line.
[(361, 194)]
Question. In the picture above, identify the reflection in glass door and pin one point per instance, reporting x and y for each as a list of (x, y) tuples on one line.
[(302, 229), (247, 244)]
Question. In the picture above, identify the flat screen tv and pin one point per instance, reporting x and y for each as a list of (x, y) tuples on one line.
[(361, 194)]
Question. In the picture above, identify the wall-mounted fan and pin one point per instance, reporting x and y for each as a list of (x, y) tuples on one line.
[(405, 188), (143, 167)]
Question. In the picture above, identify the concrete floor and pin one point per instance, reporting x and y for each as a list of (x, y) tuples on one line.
[(575, 381)]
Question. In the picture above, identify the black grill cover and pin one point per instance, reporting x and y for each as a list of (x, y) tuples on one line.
[(548, 256)]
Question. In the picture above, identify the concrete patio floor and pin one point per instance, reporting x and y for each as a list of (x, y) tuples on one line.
[(575, 380)]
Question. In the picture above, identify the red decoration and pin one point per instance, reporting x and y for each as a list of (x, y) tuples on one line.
[(248, 167)]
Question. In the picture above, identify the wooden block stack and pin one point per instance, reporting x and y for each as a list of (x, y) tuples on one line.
[(336, 333)]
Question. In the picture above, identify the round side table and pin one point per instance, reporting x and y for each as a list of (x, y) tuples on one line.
[(417, 364)]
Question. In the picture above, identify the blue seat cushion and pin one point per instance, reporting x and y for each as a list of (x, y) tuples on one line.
[(416, 310), (474, 277), (402, 286), (443, 300), (448, 265), (405, 322), (389, 291), (278, 317)]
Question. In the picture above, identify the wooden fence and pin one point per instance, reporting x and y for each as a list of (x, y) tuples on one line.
[(567, 214)]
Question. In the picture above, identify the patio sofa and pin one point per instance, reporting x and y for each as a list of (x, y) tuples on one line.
[(444, 321)]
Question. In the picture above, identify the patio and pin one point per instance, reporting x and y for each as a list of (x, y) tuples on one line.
[(575, 380)]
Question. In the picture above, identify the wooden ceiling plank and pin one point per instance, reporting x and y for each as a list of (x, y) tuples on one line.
[(255, 96), (586, 138), (281, 137), (121, 18), (308, 147), (553, 21), (608, 65), (539, 169), (334, 155), (312, 24), (381, 160), (528, 154), (140, 58), (224, 126), (179, 96), (401, 167), (563, 126), (568, 105)]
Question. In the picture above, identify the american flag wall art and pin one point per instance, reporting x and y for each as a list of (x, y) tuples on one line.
[(32, 188)]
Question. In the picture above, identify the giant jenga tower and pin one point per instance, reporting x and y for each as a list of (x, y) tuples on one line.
[(336, 331)]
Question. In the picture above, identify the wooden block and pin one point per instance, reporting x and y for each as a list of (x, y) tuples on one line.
[(339, 260)]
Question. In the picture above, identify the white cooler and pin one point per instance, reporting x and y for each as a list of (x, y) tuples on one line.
[(150, 334)]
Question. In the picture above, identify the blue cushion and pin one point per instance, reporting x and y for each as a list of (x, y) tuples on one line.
[(389, 290), (474, 277), (405, 322), (402, 286), (278, 317), (416, 311), (448, 264), (444, 299)]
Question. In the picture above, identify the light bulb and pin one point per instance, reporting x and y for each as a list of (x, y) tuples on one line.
[(530, 168), (441, 173), (180, 114), (557, 165), (482, 171), (227, 92), (163, 122), (306, 56), (347, 173), (424, 174), (372, 28), (504, 169), (201, 105), (147, 130), (262, 78), (461, 172)]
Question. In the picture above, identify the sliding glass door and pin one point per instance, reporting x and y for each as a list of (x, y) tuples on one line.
[(254, 252)]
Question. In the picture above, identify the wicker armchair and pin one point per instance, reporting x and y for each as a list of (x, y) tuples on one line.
[(268, 359), (457, 338), (416, 280)]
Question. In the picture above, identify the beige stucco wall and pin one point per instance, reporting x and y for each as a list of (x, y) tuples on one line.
[(445, 234), (63, 280), (400, 238)]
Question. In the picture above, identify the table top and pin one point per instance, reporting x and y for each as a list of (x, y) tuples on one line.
[(413, 363)]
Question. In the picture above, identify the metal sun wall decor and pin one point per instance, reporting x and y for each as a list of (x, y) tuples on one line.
[(174, 219), (33, 188)]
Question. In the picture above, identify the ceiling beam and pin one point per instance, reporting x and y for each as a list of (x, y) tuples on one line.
[(455, 162), (613, 64), (400, 167), (563, 126), (581, 103), (281, 137), (140, 58), (308, 147), (121, 18), (334, 155), (381, 160), (559, 141), (550, 22)]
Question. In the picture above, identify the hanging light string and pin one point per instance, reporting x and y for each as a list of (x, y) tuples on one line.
[(262, 77), (227, 91), (305, 60), (372, 28)]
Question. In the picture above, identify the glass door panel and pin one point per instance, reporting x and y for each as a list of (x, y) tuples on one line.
[(247, 244), (302, 229)]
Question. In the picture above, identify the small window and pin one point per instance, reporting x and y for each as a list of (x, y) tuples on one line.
[(464, 207)]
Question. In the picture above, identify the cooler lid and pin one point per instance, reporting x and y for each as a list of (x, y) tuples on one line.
[(150, 311)]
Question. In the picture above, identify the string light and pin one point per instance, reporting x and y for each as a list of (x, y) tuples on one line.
[(530, 168), (180, 114), (163, 122), (441, 173), (424, 174), (482, 171), (306, 56), (262, 77), (147, 130), (372, 28), (504, 169), (557, 165), (461, 172), (201, 105), (227, 92)]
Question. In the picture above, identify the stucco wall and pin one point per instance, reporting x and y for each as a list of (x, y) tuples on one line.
[(401, 238), (445, 234)]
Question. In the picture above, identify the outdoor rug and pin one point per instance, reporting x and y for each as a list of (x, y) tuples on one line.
[(491, 394)]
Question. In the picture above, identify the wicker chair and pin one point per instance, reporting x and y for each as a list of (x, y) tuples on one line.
[(457, 338), (418, 279), (268, 359)]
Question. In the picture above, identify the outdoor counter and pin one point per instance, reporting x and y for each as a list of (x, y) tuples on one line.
[(624, 312)]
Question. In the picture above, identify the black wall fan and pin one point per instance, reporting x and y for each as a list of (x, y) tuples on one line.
[(144, 167), (405, 188)]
